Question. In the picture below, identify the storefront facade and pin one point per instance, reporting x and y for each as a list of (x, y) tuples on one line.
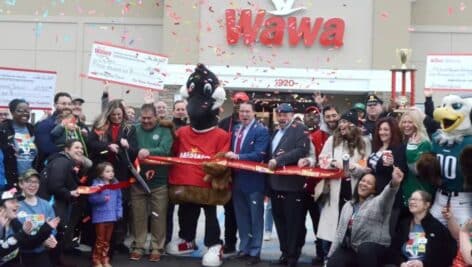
[(344, 49)]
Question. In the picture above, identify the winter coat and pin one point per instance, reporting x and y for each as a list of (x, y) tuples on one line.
[(106, 205), (330, 211)]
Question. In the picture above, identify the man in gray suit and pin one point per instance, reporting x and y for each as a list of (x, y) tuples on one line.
[(289, 144)]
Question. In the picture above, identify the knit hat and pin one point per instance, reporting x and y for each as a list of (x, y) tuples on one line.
[(359, 106), (350, 116), (240, 97)]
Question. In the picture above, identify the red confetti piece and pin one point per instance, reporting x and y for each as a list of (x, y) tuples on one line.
[(450, 11)]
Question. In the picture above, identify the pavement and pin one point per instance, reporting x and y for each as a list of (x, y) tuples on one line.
[(270, 250)]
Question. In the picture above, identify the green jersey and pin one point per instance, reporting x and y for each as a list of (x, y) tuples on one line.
[(448, 156)]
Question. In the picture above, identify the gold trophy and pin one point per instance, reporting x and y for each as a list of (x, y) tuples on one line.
[(404, 54)]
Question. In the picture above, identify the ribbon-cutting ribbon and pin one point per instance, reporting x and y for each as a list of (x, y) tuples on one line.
[(313, 173)]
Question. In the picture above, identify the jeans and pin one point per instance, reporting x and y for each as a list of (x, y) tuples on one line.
[(268, 219), (368, 254)]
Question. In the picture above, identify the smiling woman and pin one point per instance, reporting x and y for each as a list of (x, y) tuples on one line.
[(17, 142)]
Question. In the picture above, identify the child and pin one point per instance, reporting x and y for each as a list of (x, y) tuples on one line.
[(38, 211), (66, 129), (106, 209), (15, 236)]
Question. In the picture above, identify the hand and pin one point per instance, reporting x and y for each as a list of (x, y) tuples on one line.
[(113, 148), (272, 164), (447, 213), (84, 132), (3, 217), (387, 161), (231, 155), (106, 86), (74, 193), (124, 143), (70, 126), (397, 176), (148, 96), (54, 222), (303, 162), (428, 92), (27, 227), (320, 99), (466, 227), (107, 198), (143, 153), (415, 138), (51, 242)]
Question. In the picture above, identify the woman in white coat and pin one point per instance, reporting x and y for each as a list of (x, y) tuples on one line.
[(347, 139)]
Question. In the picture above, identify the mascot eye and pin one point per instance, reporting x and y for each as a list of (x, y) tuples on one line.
[(457, 106), (191, 87), (207, 89)]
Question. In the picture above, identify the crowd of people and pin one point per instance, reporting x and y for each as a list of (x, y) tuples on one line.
[(394, 204)]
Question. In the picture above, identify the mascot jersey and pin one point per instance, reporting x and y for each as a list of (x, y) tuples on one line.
[(448, 157), (193, 145)]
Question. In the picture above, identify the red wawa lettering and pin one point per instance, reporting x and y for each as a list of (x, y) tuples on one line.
[(273, 33)]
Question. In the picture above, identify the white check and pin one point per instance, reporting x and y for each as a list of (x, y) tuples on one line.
[(127, 66)]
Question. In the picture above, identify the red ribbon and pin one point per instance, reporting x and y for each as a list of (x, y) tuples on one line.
[(314, 173)]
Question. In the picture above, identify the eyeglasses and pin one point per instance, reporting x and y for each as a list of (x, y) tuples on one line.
[(4, 114), (415, 199), (33, 182)]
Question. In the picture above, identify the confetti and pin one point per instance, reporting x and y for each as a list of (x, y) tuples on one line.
[(450, 11), (462, 6), (155, 214), (384, 15)]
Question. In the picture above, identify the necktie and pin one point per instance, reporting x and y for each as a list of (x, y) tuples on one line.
[(239, 140)]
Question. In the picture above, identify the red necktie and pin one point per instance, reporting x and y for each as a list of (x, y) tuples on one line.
[(239, 140)]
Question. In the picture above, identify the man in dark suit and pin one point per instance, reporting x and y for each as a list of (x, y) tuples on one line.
[(289, 144), (250, 142)]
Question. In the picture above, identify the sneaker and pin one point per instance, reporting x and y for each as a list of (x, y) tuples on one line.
[(213, 257), (180, 247), (267, 236)]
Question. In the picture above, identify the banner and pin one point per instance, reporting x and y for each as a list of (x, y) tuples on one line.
[(449, 72), (37, 87), (127, 66)]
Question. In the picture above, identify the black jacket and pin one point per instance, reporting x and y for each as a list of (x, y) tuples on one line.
[(7, 144), (293, 145), (9, 245), (59, 177), (99, 152), (440, 249)]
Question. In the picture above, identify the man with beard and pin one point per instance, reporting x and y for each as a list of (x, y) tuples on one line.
[(318, 138), (44, 141), (231, 228)]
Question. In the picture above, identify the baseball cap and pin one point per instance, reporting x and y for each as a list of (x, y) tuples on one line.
[(359, 106), (312, 109), (78, 99), (240, 97), (285, 108), (10, 194), (28, 174), (350, 116)]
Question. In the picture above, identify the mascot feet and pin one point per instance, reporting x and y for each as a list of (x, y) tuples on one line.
[(213, 257), (180, 247)]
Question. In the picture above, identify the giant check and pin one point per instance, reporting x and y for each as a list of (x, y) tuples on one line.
[(449, 72), (35, 86), (127, 66)]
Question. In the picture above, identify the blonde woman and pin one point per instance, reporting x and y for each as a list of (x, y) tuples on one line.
[(417, 143)]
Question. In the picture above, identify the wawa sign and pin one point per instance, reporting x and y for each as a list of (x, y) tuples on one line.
[(271, 30)]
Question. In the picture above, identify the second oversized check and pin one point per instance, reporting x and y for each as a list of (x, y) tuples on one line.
[(127, 66)]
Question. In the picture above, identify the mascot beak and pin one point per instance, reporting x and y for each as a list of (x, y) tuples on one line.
[(448, 118), (220, 96)]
